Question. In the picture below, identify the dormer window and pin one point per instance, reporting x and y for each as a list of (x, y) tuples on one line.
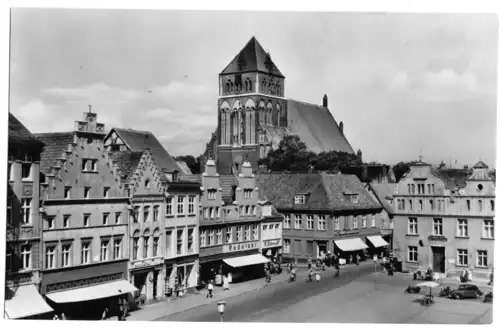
[(175, 176), (354, 198), (300, 199)]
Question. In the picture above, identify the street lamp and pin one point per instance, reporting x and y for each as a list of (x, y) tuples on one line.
[(221, 305)]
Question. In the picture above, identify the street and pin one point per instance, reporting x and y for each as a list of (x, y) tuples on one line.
[(356, 296)]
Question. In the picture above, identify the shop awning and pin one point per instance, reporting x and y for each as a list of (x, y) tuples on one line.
[(246, 260), (351, 244), (377, 241), (26, 302), (100, 291)]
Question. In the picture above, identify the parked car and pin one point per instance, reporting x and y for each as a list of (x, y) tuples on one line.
[(466, 291)]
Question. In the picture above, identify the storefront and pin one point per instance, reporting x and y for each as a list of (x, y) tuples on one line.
[(272, 249), (377, 245), (348, 249), (181, 273), (147, 277), (24, 302), (84, 292)]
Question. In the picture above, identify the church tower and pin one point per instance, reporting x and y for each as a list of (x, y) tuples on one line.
[(251, 101)]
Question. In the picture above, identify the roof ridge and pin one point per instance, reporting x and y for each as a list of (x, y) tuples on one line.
[(133, 130), (54, 133), (308, 103)]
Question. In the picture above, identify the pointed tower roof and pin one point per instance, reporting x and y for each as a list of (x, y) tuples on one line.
[(480, 164), (252, 58)]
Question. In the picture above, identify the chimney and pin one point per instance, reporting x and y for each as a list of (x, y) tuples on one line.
[(325, 100)]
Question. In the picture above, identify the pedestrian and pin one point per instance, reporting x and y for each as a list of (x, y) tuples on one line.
[(226, 283), (357, 259), (210, 289), (63, 316), (55, 317), (309, 263), (491, 277), (105, 314), (268, 275)]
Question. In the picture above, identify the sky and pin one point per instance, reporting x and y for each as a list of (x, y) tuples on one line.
[(404, 85)]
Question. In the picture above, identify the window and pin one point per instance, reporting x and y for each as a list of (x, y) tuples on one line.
[(271, 232), (462, 257), (247, 233), (50, 257), (66, 221), (286, 221), (25, 171), (118, 218), (67, 192), (180, 205), (203, 238), (482, 258), (85, 252), (286, 246), (254, 210), (373, 221), (321, 223), (354, 199), (104, 250), (9, 210), (488, 229), (218, 238), (135, 247), (191, 204), (156, 240), (431, 204), (217, 212), (156, 212), (86, 192), (105, 193), (440, 205), (145, 214), (355, 222), (105, 218), (147, 183), (168, 206), (168, 243), (480, 206), (363, 222), (247, 210), (310, 221), (211, 194), (420, 205), (26, 257), (437, 226), (468, 204), (211, 237), (136, 214), (86, 220), (211, 212), (256, 232), (145, 245), (412, 226), (412, 254), (229, 234), (300, 199), (265, 234), (66, 255), (492, 205), (410, 204), (180, 236), (462, 228), (191, 240), (239, 233), (26, 211), (337, 223), (298, 221), (117, 248), (50, 222), (89, 165)]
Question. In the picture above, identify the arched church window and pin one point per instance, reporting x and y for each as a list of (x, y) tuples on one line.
[(249, 85)]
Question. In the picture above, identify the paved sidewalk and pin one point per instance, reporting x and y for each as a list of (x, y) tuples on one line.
[(168, 307)]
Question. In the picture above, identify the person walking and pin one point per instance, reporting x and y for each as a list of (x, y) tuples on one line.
[(210, 288), (105, 314), (226, 283), (55, 317)]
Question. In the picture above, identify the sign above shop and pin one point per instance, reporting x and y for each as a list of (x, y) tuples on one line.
[(340, 233), (438, 238), (145, 264), (271, 243), (240, 246)]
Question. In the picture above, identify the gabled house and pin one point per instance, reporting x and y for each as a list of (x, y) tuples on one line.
[(85, 222)]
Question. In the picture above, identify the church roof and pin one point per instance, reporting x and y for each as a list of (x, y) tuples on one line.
[(480, 164), (252, 58), (55, 145), (138, 141), (19, 134), (316, 127)]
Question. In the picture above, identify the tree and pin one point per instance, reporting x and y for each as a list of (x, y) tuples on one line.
[(400, 169), (191, 162)]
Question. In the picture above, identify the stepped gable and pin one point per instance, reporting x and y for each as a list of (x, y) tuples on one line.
[(252, 58), (138, 141), (316, 127), (227, 181), (20, 135), (55, 146)]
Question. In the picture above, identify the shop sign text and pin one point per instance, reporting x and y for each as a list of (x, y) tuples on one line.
[(240, 246), (271, 243)]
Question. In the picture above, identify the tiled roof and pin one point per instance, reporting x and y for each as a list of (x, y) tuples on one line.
[(184, 167), (316, 127), (254, 58), (19, 134), (138, 141), (126, 161), (324, 191), (452, 178), (191, 178), (55, 145), (384, 191)]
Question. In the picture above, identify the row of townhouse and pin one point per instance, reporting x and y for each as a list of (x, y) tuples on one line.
[(93, 216)]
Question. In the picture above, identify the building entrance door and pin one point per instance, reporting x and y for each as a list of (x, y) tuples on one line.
[(438, 259), (155, 283)]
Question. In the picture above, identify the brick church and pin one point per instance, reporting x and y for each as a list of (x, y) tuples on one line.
[(254, 115)]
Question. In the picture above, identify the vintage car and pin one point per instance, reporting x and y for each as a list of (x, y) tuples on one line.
[(466, 291)]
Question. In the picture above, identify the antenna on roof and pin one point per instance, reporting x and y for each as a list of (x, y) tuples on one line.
[(90, 108)]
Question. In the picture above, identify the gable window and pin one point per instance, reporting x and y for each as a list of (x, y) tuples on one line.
[(118, 218), (211, 194), (156, 212), (50, 257), (482, 258), (354, 199), (286, 221), (117, 248), (412, 254), (26, 210), (363, 222), (229, 234), (89, 165), (412, 226), (86, 220), (191, 204), (86, 192), (66, 255), (168, 206), (300, 199), (462, 257), (462, 228), (145, 214), (437, 226), (247, 193), (298, 221), (337, 223), (105, 193), (147, 184), (180, 205), (310, 221), (321, 223), (26, 171), (67, 192), (488, 229), (66, 221)]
